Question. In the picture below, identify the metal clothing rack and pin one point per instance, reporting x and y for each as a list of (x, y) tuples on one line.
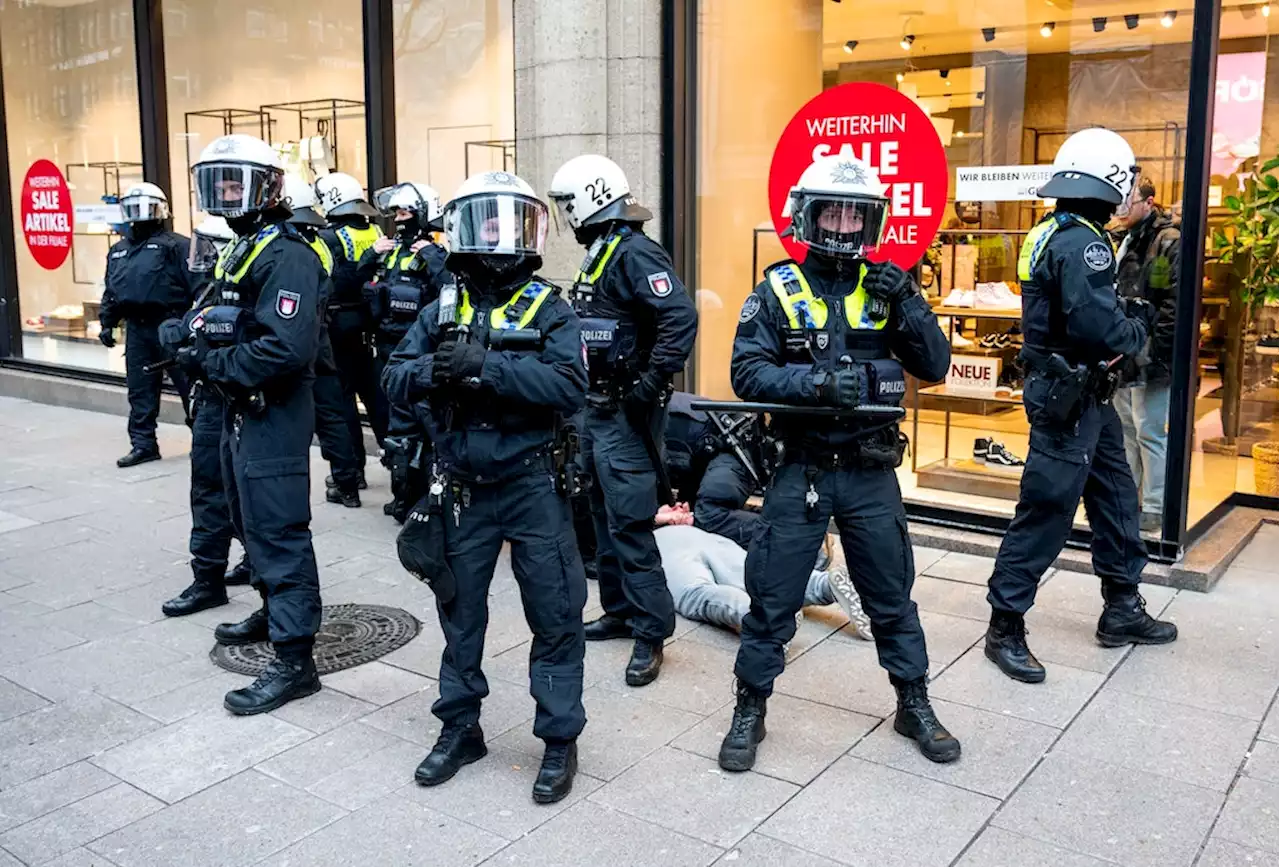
[(324, 113), (506, 146), (110, 185), (232, 120)]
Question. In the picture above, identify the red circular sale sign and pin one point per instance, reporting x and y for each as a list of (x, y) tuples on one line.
[(47, 215), (889, 132)]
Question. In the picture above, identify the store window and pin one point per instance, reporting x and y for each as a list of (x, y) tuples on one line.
[(455, 90), (290, 73), (71, 98), (1234, 447), (1003, 89)]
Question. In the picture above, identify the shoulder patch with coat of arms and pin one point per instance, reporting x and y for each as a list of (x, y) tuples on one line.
[(750, 308), (660, 284), (1098, 256), (287, 303)]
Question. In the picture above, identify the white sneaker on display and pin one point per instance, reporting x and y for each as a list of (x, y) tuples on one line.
[(959, 298), (996, 296), (959, 341)]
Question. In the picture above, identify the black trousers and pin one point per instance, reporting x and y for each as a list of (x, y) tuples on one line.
[(722, 493), (624, 499), (1063, 466), (267, 471), (211, 525), (527, 512), (142, 347), (334, 413), (867, 507), (355, 363)]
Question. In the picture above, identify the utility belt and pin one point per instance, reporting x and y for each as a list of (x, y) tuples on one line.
[(1072, 386), (881, 449)]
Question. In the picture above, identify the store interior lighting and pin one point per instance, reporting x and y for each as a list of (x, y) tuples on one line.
[(1166, 20), (1131, 21), (988, 34), (1266, 10), (901, 78), (850, 45), (1099, 25), (1046, 29), (906, 42)]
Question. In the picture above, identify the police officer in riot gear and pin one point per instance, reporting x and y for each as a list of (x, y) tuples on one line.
[(349, 235), (268, 305), (836, 331), (333, 410), (639, 325), (1077, 337), (211, 525), (404, 275), (147, 282), (494, 420)]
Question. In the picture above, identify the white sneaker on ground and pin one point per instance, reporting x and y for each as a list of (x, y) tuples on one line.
[(847, 599)]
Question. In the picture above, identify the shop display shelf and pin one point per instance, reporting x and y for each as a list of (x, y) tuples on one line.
[(941, 390), (978, 312)]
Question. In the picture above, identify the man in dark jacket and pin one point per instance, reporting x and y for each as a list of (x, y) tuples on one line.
[(1147, 268)]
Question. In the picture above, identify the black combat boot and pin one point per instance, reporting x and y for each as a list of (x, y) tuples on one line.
[(738, 749), (138, 456), (253, 628), (240, 575), (361, 482), (646, 662), (915, 719), (555, 777), (349, 497), (1007, 647), (606, 626), (457, 745), (286, 678), (200, 596), (1125, 619)]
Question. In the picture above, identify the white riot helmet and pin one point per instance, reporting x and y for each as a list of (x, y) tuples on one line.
[(496, 213), (142, 202), (420, 200), (1093, 164), (592, 189), (838, 207), (300, 196), (207, 241), (237, 175), (342, 196)]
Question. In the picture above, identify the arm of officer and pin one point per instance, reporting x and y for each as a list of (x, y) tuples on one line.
[(1086, 271), (287, 315), (407, 375), (368, 264), (758, 369), (556, 376), (438, 275), (917, 340), (648, 268)]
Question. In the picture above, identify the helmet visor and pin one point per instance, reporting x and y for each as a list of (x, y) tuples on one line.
[(203, 253), (562, 212), (390, 199), (499, 223), (136, 209), (848, 227), (235, 189)]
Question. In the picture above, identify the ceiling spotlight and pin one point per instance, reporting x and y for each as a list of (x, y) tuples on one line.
[(988, 34), (901, 78), (959, 133), (943, 73), (980, 95), (906, 42), (1166, 20), (1266, 10), (850, 45), (1046, 29), (1099, 25), (1131, 21)]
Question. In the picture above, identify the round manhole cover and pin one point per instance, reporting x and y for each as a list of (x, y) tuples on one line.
[(349, 635)]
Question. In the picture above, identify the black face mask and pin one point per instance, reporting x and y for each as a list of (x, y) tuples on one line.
[(587, 235), (407, 231), (141, 230), (245, 224), (490, 276), (1094, 210), (831, 269)]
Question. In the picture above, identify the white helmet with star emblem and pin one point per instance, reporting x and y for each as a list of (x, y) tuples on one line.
[(496, 213), (143, 202), (237, 175), (592, 189), (838, 207), (341, 195)]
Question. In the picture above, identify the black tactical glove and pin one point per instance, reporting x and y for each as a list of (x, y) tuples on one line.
[(466, 363), (172, 335), (191, 358), (441, 363), (107, 337), (647, 391), (888, 282), (843, 388), (1144, 310)]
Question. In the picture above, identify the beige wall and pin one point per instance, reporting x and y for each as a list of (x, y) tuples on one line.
[(747, 96)]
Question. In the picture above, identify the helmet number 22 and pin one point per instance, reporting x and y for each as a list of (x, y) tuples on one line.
[(1119, 177), (598, 191)]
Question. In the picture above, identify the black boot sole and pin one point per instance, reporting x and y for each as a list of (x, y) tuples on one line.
[(1013, 674), (237, 581), (1106, 639), (739, 761), (608, 636), (553, 797), (127, 464), (643, 678), (469, 759), (941, 757), (200, 606), (310, 688), (240, 642)]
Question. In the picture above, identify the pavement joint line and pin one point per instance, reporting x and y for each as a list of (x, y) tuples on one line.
[(1231, 788)]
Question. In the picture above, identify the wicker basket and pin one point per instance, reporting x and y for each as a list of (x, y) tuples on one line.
[(1266, 462)]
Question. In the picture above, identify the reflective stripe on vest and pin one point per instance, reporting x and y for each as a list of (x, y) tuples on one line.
[(356, 241), (1033, 246), (504, 318), (323, 251), (589, 279), (806, 310), (266, 235)]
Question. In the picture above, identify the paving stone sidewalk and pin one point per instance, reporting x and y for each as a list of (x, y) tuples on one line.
[(115, 749)]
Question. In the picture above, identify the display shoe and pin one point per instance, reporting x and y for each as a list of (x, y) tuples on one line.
[(995, 454), (1125, 619), (849, 601), (248, 631), (200, 596), (349, 498), (995, 296), (457, 745), (605, 627), (138, 456), (959, 341), (738, 749), (1006, 646), (959, 298), (916, 720), (240, 575), (555, 776), (281, 683), (980, 446), (645, 664)]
